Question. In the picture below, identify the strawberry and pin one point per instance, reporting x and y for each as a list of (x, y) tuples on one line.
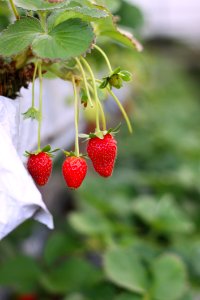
[(102, 153), (40, 166), (74, 171), (28, 297)]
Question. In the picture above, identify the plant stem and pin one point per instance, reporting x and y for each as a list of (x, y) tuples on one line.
[(122, 110), (33, 84), (105, 57), (120, 107), (95, 92), (76, 117), (85, 82), (14, 9), (103, 118), (40, 108), (43, 16)]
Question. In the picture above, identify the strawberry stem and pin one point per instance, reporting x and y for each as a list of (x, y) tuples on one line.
[(120, 107), (105, 57), (33, 84), (103, 118), (95, 92), (40, 108), (85, 82), (122, 110), (76, 117), (14, 9)]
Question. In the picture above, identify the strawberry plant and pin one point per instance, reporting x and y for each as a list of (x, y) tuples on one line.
[(56, 37)]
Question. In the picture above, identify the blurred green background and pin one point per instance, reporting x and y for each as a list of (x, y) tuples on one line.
[(135, 236)]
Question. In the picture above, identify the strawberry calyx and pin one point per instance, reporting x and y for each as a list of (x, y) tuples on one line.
[(46, 149), (32, 113), (116, 78), (100, 134), (73, 154)]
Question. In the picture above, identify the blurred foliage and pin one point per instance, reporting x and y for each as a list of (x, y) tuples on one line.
[(134, 236)]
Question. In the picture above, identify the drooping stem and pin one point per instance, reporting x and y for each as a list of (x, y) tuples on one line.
[(76, 116), (105, 57), (85, 82), (120, 107), (95, 92), (33, 84), (40, 107), (103, 118), (14, 9), (122, 110)]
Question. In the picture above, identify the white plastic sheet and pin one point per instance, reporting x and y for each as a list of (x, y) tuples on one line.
[(19, 197)]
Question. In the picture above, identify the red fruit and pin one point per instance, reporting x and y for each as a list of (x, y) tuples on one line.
[(40, 167), (102, 153), (74, 171), (27, 297)]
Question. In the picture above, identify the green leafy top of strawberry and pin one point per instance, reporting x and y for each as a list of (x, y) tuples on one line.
[(100, 134), (116, 78), (46, 149), (72, 153)]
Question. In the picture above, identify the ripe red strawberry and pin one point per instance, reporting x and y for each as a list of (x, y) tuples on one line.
[(102, 153), (28, 297), (74, 171), (40, 167)]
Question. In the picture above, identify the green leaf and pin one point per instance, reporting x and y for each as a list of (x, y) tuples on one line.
[(116, 71), (104, 83), (71, 275), (69, 39), (84, 13), (128, 296), (101, 291), (112, 5), (19, 36), (46, 148), (36, 5), (55, 248), (89, 222), (164, 215), (20, 273), (32, 113), (130, 15), (125, 75), (108, 27), (124, 268), (169, 278)]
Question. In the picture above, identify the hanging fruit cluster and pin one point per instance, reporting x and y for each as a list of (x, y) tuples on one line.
[(55, 36)]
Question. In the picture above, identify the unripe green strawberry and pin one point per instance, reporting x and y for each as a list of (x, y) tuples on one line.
[(74, 170), (102, 153), (40, 167), (116, 81)]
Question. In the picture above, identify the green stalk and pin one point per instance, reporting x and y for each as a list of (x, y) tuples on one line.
[(33, 85), (43, 17), (95, 92), (120, 107), (76, 117), (85, 82), (40, 108), (103, 118), (14, 9), (122, 110), (105, 57)]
